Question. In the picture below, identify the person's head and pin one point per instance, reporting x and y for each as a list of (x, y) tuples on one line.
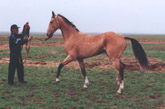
[(14, 29)]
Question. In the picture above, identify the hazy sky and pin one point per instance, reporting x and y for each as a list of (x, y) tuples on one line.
[(121, 16)]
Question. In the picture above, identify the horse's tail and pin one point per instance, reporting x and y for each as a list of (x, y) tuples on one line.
[(139, 52)]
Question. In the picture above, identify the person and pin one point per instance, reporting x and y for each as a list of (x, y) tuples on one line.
[(15, 44), (26, 30)]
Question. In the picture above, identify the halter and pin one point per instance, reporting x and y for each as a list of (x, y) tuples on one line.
[(56, 17)]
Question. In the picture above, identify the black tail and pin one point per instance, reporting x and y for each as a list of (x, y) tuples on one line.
[(139, 52)]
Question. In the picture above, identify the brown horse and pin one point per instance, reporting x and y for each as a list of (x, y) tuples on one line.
[(79, 45)]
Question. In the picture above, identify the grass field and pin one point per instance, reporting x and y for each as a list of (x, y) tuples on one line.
[(142, 90)]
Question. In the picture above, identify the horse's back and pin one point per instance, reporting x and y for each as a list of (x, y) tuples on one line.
[(114, 36)]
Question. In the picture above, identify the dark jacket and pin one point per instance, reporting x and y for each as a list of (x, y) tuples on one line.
[(15, 43)]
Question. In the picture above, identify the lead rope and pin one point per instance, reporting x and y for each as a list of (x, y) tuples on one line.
[(27, 51), (27, 48)]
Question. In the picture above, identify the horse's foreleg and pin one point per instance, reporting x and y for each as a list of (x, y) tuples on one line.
[(82, 66), (67, 60)]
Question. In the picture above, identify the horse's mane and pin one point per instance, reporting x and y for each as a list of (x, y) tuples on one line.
[(68, 22)]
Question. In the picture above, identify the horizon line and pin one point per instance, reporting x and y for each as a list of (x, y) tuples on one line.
[(59, 33)]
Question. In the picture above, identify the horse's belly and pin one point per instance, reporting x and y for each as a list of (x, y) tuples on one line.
[(89, 52)]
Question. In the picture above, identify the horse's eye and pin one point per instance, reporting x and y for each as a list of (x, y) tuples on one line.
[(51, 22)]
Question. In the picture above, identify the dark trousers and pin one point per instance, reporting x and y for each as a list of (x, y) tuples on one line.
[(15, 64)]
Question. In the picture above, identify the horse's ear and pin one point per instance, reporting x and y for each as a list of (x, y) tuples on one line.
[(53, 15)]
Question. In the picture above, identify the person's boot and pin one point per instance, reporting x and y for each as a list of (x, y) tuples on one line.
[(11, 83), (23, 82)]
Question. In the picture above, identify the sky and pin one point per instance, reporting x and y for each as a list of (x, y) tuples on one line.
[(89, 16)]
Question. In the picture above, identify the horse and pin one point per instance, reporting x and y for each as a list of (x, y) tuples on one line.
[(78, 46)]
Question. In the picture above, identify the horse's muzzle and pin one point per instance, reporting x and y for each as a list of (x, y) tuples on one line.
[(49, 36)]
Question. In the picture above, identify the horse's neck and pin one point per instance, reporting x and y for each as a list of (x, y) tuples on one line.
[(67, 32)]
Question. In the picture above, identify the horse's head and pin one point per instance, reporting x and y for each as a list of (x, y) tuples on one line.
[(53, 25)]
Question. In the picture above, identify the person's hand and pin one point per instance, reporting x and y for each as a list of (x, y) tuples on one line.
[(30, 38)]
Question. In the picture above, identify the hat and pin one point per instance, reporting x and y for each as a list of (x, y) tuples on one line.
[(14, 26)]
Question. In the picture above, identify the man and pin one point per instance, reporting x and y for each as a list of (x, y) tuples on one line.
[(15, 42), (26, 29)]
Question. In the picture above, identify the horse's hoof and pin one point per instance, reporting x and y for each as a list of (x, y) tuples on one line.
[(118, 93), (57, 82), (85, 86)]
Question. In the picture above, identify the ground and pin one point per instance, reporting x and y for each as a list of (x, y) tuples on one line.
[(144, 88)]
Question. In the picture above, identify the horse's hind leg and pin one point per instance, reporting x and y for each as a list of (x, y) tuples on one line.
[(121, 75), (119, 66), (67, 60), (82, 66)]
